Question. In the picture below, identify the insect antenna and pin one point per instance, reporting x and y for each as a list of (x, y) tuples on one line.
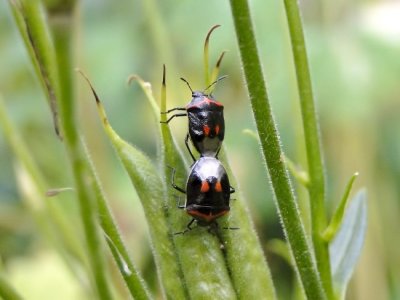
[(215, 82), (184, 80)]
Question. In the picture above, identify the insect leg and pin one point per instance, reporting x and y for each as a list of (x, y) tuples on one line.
[(173, 182), (173, 116), (187, 146), (188, 228), (173, 109)]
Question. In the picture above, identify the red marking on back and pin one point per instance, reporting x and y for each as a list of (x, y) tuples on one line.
[(206, 101), (204, 187), (216, 129), (218, 187), (209, 101), (206, 130), (207, 217)]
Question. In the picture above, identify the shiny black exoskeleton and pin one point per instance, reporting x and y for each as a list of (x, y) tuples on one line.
[(206, 123), (207, 192)]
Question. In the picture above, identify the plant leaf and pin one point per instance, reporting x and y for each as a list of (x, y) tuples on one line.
[(337, 218), (345, 248), (129, 272), (243, 263), (206, 55), (215, 71), (35, 34), (150, 188), (197, 246)]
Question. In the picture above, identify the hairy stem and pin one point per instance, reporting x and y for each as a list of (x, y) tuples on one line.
[(316, 186), (272, 152)]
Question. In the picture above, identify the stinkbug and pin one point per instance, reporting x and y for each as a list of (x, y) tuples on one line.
[(207, 192), (206, 121)]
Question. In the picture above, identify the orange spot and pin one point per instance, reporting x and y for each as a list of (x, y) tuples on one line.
[(217, 129), (204, 187), (218, 187), (206, 130)]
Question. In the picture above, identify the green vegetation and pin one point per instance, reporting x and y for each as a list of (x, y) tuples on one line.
[(70, 214)]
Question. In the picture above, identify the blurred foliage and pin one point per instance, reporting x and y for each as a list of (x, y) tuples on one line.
[(354, 58)]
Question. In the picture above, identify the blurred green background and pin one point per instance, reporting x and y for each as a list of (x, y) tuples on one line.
[(354, 55)]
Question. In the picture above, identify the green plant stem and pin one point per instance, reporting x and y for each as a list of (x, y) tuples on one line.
[(286, 204), (314, 158), (61, 25)]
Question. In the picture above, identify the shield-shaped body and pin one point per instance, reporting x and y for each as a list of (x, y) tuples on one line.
[(206, 124), (207, 191)]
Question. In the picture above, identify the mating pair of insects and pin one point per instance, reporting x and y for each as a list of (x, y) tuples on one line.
[(207, 188)]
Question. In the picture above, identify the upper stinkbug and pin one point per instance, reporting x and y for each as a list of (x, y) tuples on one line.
[(206, 122), (207, 192)]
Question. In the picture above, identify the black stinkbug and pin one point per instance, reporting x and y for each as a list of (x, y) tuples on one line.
[(207, 192), (206, 122)]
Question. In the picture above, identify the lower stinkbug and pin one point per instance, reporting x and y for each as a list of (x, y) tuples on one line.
[(207, 192)]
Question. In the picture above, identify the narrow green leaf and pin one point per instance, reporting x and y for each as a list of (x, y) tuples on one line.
[(150, 188), (337, 218), (128, 270), (272, 152), (215, 71), (34, 31), (206, 55), (202, 261), (346, 247)]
